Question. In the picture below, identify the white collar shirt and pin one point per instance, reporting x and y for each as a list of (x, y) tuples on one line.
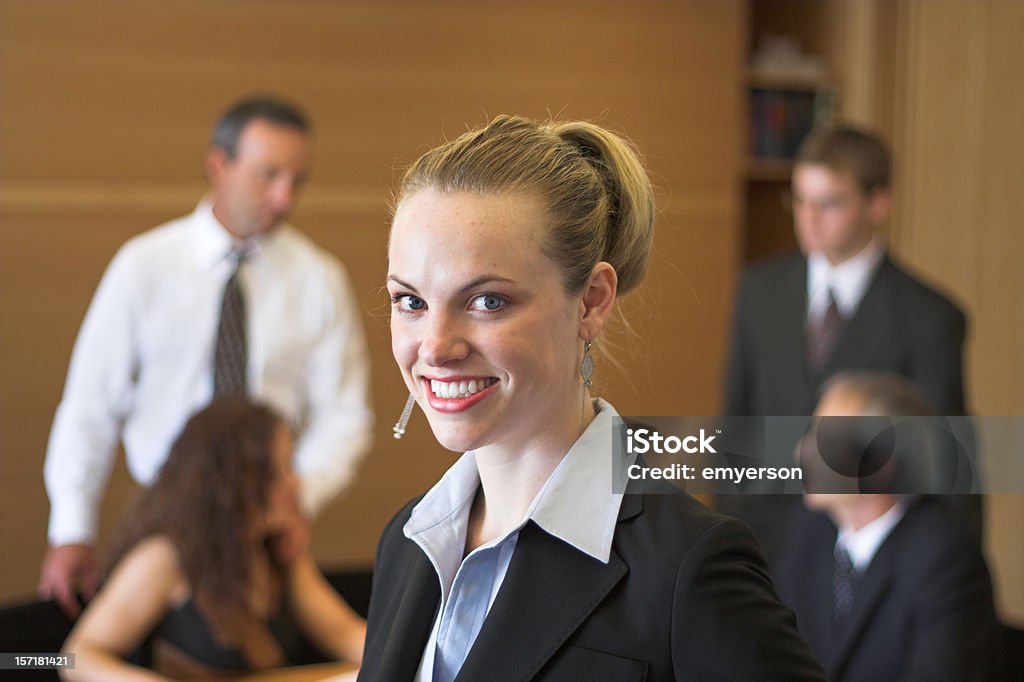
[(848, 281), (576, 504), (143, 361), (862, 544)]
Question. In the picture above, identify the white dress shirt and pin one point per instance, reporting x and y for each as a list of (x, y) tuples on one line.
[(848, 281), (576, 505), (862, 544), (143, 362)]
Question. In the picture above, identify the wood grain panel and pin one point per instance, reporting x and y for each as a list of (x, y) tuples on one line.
[(960, 170)]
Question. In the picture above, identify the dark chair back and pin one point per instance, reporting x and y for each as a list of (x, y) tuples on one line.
[(33, 628)]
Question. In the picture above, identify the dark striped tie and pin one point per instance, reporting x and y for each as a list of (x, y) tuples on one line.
[(823, 334), (231, 354), (844, 587)]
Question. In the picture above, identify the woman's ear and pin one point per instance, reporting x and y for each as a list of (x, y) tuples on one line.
[(598, 300)]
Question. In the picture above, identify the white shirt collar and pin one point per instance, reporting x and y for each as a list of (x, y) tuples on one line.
[(863, 544), (576, 504), (213, 241), (848, 280)]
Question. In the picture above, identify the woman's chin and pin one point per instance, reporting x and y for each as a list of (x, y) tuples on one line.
[(456, 440)]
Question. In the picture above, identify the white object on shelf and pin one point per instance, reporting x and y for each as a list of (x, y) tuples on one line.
[(780, 57)]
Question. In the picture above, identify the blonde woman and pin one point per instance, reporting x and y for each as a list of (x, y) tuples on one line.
[(508, 249)]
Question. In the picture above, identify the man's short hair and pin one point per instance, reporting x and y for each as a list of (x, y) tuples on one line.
[(883, 393), (851, 149), (271, 109), (882, 455)]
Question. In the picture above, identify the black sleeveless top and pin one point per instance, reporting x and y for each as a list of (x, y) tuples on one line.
[(185, 628)]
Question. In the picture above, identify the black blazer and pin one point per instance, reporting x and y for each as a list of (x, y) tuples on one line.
[(684, 596), (901, 326), (923, 609)]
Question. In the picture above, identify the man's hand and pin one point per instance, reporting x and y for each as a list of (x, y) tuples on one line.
[(69, 570)]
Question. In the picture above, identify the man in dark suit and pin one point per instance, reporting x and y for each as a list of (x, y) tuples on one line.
[(885, 586), (841, 304)]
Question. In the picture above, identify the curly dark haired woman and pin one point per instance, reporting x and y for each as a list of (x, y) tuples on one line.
[(195, 572)]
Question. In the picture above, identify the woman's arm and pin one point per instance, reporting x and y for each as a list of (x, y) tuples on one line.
[(131, 603), (727, 622), (323, 614)]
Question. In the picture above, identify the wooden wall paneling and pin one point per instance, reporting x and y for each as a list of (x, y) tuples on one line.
[(862, 54), (771, 233), (960, 169)]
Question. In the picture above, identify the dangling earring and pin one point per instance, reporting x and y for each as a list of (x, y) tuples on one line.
[(403, 421), (587, 366)]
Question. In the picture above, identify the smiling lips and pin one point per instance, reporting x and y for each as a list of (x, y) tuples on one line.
[(456, 394)]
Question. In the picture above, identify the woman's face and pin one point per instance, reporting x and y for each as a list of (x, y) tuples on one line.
[(282, 497), (487, 339)]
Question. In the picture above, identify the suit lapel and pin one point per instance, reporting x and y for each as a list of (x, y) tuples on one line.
[(789, 340), (872, 589), (819, 594), (549, 591), (810, 582), (870, 324), (411, 616)]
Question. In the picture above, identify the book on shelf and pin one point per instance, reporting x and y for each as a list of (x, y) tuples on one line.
[(781, 117)]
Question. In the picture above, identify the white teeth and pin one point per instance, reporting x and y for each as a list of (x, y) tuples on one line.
[(459, 389)]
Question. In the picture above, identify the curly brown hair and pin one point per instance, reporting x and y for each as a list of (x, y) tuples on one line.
[(209, 495)]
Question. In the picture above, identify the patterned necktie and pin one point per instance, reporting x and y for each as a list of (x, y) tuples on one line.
[(844, 586), (231, 354), (822, 335)]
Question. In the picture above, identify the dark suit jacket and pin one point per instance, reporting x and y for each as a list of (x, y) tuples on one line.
[(900, 326), (685, 595), (923, 608)]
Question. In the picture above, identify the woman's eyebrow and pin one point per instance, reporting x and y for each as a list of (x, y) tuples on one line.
[(399, 282), (472, 284), (485, 279)]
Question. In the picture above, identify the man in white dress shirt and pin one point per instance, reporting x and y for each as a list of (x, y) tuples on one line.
[(144, 358)]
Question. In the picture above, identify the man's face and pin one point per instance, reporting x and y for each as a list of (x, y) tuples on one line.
[(831, 213), (836, 456), (836, 402), (257, 190)]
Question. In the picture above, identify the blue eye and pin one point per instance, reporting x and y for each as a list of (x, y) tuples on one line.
[(488, 302), (408, 302)]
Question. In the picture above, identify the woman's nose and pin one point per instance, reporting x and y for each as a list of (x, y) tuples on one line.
[(444, 341)]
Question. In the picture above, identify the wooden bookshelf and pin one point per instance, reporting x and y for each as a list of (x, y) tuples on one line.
[(781, 112), (783, 105), (768, 170)]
